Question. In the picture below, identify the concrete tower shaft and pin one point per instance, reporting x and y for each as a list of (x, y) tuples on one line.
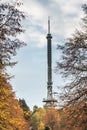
[(49, 54), (49, 63), (50, 101)]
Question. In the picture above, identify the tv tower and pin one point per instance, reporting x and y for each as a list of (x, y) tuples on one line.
[(50, 101)]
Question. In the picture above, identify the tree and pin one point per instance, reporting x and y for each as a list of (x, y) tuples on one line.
[(47, 128), (74, 66), (10, 26), (26, 110), (11, 114), (35, 108), (51, 118), (37, 120)]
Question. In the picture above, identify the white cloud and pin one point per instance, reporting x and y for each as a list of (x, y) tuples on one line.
[(65, 17)]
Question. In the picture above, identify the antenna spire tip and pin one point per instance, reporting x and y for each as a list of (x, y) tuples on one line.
[(49, 24)]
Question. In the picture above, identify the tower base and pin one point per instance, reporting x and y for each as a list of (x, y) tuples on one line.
[(50, 102)]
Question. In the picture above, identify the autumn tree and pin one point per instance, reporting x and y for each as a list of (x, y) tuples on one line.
[(51, 118), (37, 120), (73, 65), (11, 114)]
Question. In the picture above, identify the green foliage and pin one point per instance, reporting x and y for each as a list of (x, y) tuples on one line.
[(37, 118), (23, 104), (47, 128), (35, 108), (26, 110), (44, 118)]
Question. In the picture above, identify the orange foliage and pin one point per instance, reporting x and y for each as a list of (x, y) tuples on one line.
[(52, 118), (11, 115)]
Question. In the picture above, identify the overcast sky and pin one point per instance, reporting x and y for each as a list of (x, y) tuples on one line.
[(30, 81)]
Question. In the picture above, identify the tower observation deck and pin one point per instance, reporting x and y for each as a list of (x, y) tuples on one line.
[(50, 100)]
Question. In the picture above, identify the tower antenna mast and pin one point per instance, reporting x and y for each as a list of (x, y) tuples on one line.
[(48, 24)]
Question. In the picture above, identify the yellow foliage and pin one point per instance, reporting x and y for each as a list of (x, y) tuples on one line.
[(11, 115)]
